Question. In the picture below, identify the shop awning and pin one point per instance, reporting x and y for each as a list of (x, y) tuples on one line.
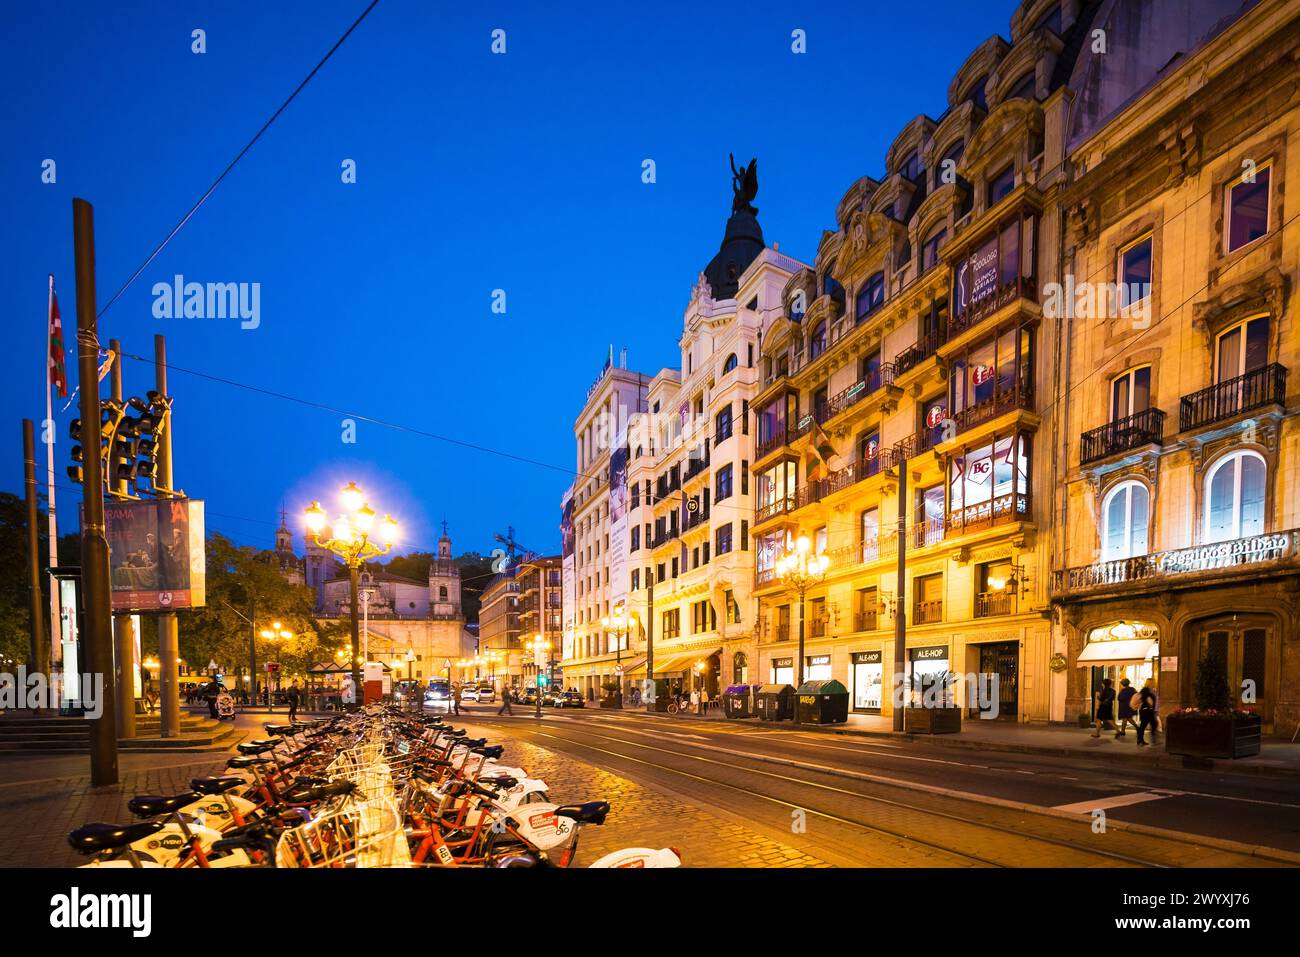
[(1128, 651), (633, 666), (677, 662)]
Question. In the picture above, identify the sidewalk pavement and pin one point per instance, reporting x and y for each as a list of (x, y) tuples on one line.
[(1277, 757)]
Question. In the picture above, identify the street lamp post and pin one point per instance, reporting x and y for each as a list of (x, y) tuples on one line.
[(799, 571), (274, 633), (540, 648), (620, 622), (349, 539)]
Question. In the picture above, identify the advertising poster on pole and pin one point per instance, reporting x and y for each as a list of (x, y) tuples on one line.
[(156, 554)]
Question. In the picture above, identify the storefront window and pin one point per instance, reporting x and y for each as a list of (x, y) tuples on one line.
[(782, 671), (817, 668), (868, 678), (929, 676)]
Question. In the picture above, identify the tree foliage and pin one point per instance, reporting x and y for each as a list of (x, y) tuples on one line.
[(240, 580)]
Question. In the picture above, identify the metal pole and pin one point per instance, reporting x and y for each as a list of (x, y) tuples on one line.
[(47, 435), (252, 650), (39, 650), (650, 637), (123, 624), (95, 578), (900, 603), (358, 691), (169, 650)]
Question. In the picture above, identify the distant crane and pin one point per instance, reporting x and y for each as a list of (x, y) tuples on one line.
[(503, 560)]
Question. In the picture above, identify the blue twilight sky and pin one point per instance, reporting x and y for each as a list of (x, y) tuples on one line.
[(475, 172)]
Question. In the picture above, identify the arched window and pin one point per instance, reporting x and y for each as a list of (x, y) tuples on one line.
[(817, 342), (872, 296), (1234, 497), (442, 592), (1124, 515), (740, 668), (730, 363)]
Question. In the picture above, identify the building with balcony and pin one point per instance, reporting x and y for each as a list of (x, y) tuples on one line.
[(691, 565), (593, 526), (540, 614), (1177, 476), (907, 390)]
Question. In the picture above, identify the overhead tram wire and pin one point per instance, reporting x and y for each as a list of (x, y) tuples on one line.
[(240, 155)]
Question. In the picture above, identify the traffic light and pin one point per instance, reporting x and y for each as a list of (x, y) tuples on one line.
[(543, 680), (128, 445)]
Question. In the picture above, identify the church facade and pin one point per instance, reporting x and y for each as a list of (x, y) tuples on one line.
[(402, 617)]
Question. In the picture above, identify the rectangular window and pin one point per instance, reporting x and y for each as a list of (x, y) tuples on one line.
[(733, 608), (870, 522), (930, 249), (1247, 207), (1135, 272), (674, 567), (782, 671), (816, 617), (723, 536), (636, 579), (817, 668), (1001, 184), (744, 415), (672, 623), (636, 537), (722, 425), (723, 482), (928, 603)]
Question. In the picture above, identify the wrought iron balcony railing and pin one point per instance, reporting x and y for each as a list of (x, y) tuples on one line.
[(1131, 432), (1250, 553), (1233, 397), (927, 612), (990, 603)]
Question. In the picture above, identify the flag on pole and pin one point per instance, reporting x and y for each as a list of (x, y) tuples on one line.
[(58, 374)]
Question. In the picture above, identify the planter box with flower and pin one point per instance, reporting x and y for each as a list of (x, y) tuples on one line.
[(1215, 728), (611, 697)]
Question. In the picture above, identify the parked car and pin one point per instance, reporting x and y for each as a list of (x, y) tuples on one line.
[(486, 693), (469, 693), (528, 696), (565, 699)]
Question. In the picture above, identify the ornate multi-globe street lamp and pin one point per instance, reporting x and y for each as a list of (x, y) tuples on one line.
[(799, 571), (348, 537)]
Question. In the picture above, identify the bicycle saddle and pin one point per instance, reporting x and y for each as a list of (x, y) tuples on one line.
[(590, 812), (246, 762), (473, 743), (254, 747), (505, 781), (219, 785), (493, 751), (280, 729), (151, 805), (269, 742), (102, 837)]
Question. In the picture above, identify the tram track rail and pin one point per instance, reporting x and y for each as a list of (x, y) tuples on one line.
[(1018, 839)]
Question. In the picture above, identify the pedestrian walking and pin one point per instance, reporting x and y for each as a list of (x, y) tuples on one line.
[(1127, 713), (294, 697), (505, 702), (1105, 698), (456, 692), (214, 688), (1147, 710)]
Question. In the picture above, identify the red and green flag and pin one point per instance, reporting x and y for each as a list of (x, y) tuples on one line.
[(58, 373)]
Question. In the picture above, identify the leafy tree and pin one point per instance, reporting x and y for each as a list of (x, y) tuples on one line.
[(15, 585), (414, 566), (475, 573), (1211, 684), (241, 579)]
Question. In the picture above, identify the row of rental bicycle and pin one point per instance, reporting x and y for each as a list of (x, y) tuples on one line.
[(374, 788)]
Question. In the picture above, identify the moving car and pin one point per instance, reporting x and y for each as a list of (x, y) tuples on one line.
[(469, 693), (485, 693), (438, 691)]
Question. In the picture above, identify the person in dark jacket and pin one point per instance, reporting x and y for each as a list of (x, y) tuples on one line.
[(214, 688), (1105, 698), (1127, 713), (1148, 706), (505, 702), (294, 697)]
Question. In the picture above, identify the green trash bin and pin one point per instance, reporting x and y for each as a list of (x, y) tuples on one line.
[(822, 702)]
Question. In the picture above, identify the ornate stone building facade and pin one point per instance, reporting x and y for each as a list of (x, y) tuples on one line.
[(1180, 441), (1060, 329)]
